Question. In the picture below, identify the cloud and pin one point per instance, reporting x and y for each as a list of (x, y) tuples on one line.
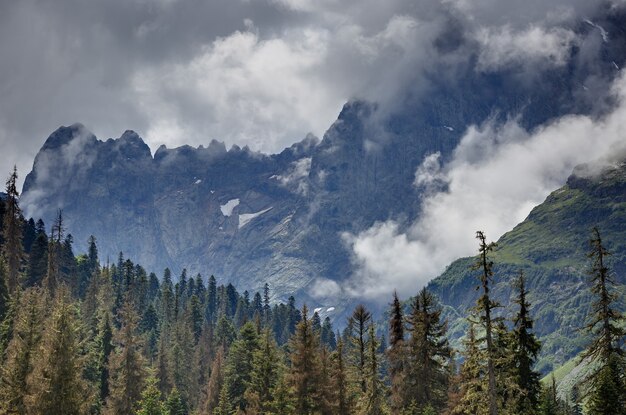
[(501, 47), (497, 174), (261, 73)]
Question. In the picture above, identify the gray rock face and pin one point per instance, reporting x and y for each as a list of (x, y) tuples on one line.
[(252, 218)]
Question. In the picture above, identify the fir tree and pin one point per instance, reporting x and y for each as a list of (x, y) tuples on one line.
[(151, 403), (175, 404), (374, 399), (12, 249), (21, 351), (304, 371), (216, 382), (341, 398), (126, 366), (265, 371), (525, 350), (239, 365), (397, 356), (608, 394), (485, 307), (429, 353), (473, 397), (358, 326), (55, 386)]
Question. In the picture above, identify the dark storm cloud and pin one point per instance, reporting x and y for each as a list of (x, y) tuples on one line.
[(256, 72)]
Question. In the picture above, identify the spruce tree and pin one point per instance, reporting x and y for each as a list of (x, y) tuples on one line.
[(473, 390), (216, 382), (55, 385), (396, 355), (21, 352), (126, 366), (38, 257), (608, 395), (373, 402), (265, 371), (429, 353), (525, 350), (175, 404), (305, 366), (151, 403), (239, 365), (358, 327), (12, 249), (341, 397), (485, 307)]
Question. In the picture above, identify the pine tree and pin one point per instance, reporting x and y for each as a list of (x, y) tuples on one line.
[(21, 352), (265, 371), (12, 248), (4, 292), (549, 404), (151, 403), (525, 350), (608, 394), (304, 371), (396, 356), (358, 326), (239, 365), (373, 402), (340, 398), (216, 382), (38, 257), (473, 397), (55, 385), (485, 307), (175, 404), (53, 275), (126, 366), (429, 353)]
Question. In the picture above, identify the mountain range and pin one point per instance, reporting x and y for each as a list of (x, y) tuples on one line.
[(252, 218)]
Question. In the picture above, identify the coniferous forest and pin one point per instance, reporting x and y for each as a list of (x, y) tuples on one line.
[(80, 336)]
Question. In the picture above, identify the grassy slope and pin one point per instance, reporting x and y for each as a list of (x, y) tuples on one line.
[(550, 246)]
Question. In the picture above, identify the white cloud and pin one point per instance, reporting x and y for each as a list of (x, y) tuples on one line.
[(496, 176), (535, 45)]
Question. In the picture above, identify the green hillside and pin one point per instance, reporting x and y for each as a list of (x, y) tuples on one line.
[(550, 247)]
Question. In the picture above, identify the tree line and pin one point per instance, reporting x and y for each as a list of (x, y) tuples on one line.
[(80, 337)]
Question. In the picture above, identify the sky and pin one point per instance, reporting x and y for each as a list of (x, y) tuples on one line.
[(262, 73), (265, 73)]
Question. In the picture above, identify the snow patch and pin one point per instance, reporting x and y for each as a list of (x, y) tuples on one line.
[(244, 218), (317, 310), (447, 127), (330, 309), (227, 209), (212, 191), (198, 181)]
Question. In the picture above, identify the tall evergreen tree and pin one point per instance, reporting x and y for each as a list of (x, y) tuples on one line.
[(151, 403), (373, 402), (216, 382), (525, 350), (239, 365), (473, 397), (341, 397), (12, 248), (55, 385), (305, 366), (358, 327), (38, 257), (396, 355), (265, 371), (429, 353), (21, 352), (55, 250), (485, 307), (126, 366), (608, 395)]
